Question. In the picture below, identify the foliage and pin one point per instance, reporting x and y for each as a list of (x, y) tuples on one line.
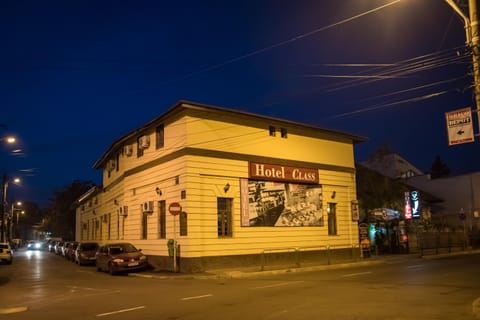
[(439, 169), (377, 191), (60, 214)]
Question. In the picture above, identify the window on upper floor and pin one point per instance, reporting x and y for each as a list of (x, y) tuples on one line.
[(283, 133), (117, 161), (272, 131), (139, 147), (160, 136)]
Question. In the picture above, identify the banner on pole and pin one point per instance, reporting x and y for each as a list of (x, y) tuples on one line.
[(459, 126)]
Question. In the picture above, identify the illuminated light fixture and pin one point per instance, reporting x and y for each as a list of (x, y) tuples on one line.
[(334, 194), (158, 191), (10, 139), (227, 187)]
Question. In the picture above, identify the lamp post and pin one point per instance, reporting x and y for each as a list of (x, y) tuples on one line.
[(473, 42), (9, 140), (11, 220), (4, 204), (2, 208)]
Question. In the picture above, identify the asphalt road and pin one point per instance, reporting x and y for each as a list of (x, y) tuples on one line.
[(40, 285)]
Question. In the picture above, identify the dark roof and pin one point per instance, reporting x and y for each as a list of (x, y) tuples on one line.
[(185, 105)]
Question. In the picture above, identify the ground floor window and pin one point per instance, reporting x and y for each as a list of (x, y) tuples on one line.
[(144, 225), (224, 217), (183, 224), (332, 219), (162, 227)]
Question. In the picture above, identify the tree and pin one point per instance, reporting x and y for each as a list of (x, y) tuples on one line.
[(378, 191), (439, 169), (60, 213)]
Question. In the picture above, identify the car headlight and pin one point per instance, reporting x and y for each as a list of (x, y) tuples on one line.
[(143, 258), (117, 260)]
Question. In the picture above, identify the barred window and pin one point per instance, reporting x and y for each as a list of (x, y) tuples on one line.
[(224, 217), (332, 219)]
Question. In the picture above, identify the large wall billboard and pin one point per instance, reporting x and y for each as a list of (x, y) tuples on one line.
[(280, 204)]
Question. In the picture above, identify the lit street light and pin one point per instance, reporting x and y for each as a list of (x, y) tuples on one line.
[(3, 205), (11, 219)]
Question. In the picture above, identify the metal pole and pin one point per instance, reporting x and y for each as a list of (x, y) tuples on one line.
[(174, 244), (474, 46), (2, 208), (472, 41)]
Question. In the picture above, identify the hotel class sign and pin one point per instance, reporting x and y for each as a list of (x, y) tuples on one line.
[(263, 171)]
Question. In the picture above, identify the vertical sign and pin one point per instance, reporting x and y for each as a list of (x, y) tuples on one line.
[(416, 207), (355, 211), (408, 206), (244, 203), (459, 126)]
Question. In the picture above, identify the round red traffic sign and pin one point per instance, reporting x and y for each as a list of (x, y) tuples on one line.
[(175, 208)]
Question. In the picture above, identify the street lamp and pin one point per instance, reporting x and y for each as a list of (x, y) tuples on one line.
[(9, 139), (3, 205), (10, 229)]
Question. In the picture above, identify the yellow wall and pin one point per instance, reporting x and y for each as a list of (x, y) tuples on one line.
[(203, 178)]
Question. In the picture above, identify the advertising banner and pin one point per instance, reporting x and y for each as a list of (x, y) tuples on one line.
[(280, 204), (459, 126)]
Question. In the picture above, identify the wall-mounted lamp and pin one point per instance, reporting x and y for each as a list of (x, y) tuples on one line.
[(115, 202), (334, 193), (227, 187), (158, 191)]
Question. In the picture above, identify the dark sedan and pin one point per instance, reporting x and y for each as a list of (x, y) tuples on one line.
[(120, 257), (85, 253)]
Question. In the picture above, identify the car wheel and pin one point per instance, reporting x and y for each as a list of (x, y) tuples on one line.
[(110, 269)]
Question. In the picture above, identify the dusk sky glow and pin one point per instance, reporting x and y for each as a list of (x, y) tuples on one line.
[(78, 75)]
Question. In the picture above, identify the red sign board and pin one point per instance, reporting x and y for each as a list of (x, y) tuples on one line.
[(175, 208), (275, 172)]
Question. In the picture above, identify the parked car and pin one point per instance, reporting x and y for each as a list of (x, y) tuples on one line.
[(70, 251), (120, 257), (85, 253), (6, 253), (59, 247)]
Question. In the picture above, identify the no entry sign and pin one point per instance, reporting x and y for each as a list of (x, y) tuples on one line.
[(175, 208)]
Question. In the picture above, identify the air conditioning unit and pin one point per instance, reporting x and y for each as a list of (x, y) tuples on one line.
[(144, 142), (147, 207), (123, 211), (111, 165), (128, 150)]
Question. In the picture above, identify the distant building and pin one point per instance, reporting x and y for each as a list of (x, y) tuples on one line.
[(226, 185), (392, 165), (459, 195)]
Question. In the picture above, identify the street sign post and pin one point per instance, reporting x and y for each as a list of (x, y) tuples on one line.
[(459, 126), (174, 208)]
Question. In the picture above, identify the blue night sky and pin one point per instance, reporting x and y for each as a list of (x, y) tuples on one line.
[(77, 75)]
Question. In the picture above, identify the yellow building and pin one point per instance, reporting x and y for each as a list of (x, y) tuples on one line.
[(229, 187)]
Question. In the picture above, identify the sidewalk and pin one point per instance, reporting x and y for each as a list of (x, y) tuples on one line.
[(247, 272)]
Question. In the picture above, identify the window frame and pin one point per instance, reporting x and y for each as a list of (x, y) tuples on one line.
[(224, 217)]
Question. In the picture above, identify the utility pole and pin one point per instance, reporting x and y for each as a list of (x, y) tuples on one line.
[(474, 47), (473, 42)]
